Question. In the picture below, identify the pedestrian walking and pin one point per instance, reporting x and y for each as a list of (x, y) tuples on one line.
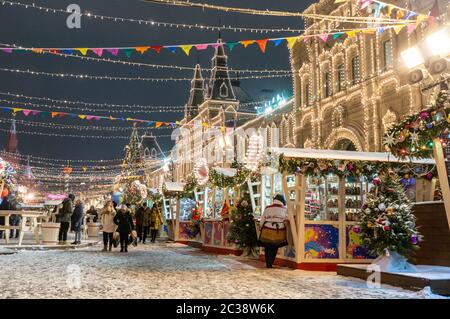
[(273, 229), (77, 221), (146, 213), (64, 215), (156, 221), (108, 225), (125, 225), (139, 217)]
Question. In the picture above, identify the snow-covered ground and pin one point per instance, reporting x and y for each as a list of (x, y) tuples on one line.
[(170, 271)]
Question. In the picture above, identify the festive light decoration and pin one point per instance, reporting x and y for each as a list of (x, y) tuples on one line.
[(220, 180), (387, 222), (204, 6), (414, 136), (108, 105), (7, 173), (154, 23), (254, 152), (201, 171), (122, 78), (315, 167)]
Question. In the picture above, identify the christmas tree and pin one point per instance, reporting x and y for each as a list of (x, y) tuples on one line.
[(242, 227), (133, 160), (387, 224)]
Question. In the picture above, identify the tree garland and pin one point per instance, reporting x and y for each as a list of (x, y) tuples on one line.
[(220, 180), (188, 189), (347, 168), (414, 136)]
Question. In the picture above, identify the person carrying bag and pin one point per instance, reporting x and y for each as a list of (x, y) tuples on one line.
[(273, 231)]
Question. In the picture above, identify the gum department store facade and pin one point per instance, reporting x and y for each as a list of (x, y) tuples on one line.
[(347, 91)]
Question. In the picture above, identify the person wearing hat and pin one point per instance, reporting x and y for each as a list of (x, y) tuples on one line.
[(274, 217), (125, 225)]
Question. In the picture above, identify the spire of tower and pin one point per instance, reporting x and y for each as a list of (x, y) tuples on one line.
[(220, 87), (197, 95), (12, 142)]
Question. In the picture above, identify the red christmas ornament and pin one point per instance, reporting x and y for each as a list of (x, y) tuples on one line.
[(387, 228), (5, 192)]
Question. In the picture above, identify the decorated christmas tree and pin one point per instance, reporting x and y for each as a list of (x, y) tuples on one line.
[(242, 227), (387, 225)]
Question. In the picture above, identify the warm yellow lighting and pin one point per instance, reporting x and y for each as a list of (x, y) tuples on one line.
[(439, 42), (412, 57)]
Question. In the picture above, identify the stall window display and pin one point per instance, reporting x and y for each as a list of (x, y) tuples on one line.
[(322, 198)]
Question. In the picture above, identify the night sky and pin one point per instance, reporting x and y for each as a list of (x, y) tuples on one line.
[(33, 28)]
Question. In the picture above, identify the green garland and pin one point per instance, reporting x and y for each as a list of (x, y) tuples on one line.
[(347, 168), (414, 136), (220, 180), (188, 189)]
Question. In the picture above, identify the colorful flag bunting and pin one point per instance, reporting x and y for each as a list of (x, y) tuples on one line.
[(231, 45), (157, 48), (277, 42), (142, 50), (98, 51), (262, 45), (186, 48), (128, 52), (200, 47), (114, 52), (246, 43), (83, 51), (291, 41)]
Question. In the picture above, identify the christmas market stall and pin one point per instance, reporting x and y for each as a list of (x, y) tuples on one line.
[(325, 192)]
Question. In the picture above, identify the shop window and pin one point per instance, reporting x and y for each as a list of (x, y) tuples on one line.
[(322, 198)]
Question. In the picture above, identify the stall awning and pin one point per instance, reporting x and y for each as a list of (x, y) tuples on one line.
[(346, 155), (174, 186)]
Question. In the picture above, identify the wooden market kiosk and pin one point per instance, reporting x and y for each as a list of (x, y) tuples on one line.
[(324, 211), (172, 208)]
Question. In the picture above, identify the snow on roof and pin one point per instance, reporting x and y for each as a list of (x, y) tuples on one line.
[(52, 202), (226, 171), (346, 155), (175, 186)]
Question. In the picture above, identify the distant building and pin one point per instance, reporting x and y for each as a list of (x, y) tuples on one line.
[(11, 153)]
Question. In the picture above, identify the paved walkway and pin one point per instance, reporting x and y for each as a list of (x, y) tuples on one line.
[(165, 270)]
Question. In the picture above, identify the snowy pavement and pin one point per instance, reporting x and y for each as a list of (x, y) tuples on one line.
[(170, 271)]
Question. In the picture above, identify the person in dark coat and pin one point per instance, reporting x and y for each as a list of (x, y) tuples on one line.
[(125, 225), (64, 215), (77, 221), (5, 205), (139, 217)]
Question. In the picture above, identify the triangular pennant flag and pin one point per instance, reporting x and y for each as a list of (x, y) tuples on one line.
[(421, 18), (291, 41), (54, 114), (305, 39), (111, 118), (366, 3), (262, 45), (410, 15), (35, 112), (89, 117), (6, 50), (157, 48), (246, 43), (200, 47), (399, 28), (277, 42), (158, 124), (98, 51), (83, 51), (351, 34), (68, 51), (172, 49), (142, 50), (114, 52), (369, 31), (127, 52), (231, 45), (37, 50), (26, 112), (215, 45), (324, 37), (150, 123), (337, 35), (400, 14), (186, 48), (82, 116), (411, 27), (16, 109), (380, 30), (390, 10)]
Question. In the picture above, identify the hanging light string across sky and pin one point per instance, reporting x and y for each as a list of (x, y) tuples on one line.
[(123, 78), (109, 105), (149, 65), (267, 12)]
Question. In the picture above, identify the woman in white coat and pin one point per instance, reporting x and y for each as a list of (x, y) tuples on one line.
[(108, 225)]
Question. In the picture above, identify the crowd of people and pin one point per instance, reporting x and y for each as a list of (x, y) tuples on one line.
[(118, 223)]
